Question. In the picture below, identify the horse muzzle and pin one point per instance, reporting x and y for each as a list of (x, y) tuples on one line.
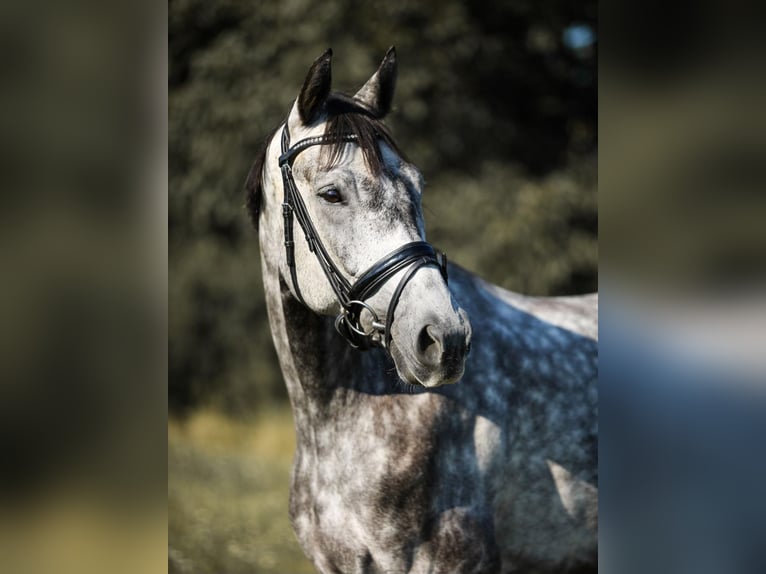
[(434, 353)]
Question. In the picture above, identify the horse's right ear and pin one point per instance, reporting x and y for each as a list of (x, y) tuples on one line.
[(316, 88), (378, 93)]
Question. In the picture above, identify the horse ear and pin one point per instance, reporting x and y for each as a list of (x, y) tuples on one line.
[(378, 93), (316, 88)]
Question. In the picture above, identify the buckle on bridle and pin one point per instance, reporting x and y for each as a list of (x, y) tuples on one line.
[(348, 324)]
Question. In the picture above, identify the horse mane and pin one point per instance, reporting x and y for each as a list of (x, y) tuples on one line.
[(254, 183), (345, 115)]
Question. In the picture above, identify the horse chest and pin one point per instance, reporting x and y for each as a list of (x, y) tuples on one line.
[(377, 505)]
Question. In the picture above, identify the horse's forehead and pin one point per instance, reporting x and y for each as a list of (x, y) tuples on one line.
[(310, 164)]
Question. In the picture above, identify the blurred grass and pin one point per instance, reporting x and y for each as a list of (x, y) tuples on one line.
[(70, 528), (228, 488)]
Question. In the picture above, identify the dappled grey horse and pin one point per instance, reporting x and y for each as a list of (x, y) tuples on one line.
[(395, 469)]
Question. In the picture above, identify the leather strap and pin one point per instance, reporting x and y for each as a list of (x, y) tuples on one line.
[(382, 270), (414, 268)]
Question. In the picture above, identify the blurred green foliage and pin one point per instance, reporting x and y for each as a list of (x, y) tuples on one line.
[(495, 108)]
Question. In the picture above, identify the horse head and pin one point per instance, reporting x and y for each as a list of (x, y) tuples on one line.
[(359, 250)]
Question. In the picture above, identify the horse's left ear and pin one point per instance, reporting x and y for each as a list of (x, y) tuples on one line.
[(378, 93)]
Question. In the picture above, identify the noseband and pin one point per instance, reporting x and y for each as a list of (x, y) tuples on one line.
[(352, 298)]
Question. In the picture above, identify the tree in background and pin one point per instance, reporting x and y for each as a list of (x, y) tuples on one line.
[(496, 104)]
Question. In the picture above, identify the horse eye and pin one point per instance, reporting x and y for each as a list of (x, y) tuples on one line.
[(331, 195)]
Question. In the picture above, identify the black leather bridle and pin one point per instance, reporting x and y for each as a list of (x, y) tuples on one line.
[(352, 298)]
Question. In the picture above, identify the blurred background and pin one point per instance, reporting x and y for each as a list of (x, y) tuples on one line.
[(682, 369), (83, 291), (496, 100), (496, 104)]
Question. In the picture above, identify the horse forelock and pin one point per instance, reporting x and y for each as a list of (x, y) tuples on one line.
[(344, 115)]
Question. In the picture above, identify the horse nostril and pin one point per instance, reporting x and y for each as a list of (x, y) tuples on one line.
[(430, 345)]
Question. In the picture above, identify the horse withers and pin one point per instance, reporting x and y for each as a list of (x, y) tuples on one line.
[(413, 455)]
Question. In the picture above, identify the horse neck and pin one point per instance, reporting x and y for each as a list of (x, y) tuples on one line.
[(316, 362)]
